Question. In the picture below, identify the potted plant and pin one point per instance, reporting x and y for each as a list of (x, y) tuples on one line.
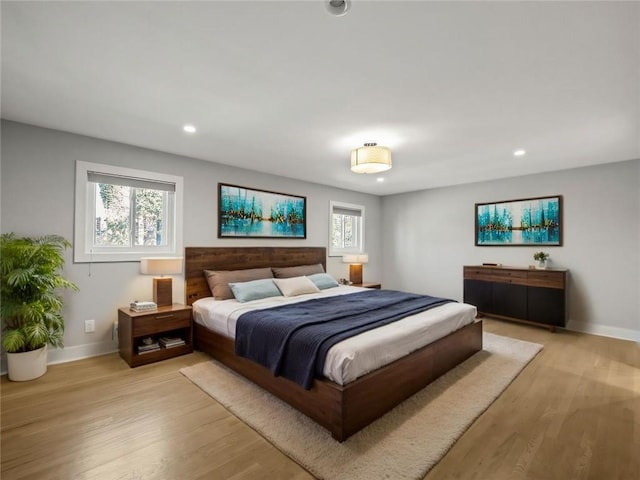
[(541, 258), (30, 281)]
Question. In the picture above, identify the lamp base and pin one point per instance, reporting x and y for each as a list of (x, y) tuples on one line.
[(162, 291), (355, 273)]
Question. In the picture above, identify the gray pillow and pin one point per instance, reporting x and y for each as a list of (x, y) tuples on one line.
[(299, 271), (219, 280)]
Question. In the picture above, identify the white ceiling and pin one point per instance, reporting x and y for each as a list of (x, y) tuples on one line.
[(283, 87)]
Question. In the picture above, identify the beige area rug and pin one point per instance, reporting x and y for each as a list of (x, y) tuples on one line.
[(404, 444)]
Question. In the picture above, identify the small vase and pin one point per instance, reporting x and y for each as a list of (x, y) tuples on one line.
[(542, 264)]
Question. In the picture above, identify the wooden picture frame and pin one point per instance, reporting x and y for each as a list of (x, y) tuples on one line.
[(524, 222), (253, 213)]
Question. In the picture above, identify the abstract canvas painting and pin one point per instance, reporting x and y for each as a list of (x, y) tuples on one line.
[(530, 221), (247, 212)]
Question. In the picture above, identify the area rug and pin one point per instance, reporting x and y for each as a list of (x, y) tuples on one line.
[(404, 444)]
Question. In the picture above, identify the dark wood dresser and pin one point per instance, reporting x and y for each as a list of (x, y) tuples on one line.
[(519, 294)]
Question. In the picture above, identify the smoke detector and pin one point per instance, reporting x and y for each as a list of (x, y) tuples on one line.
[(338, 7)]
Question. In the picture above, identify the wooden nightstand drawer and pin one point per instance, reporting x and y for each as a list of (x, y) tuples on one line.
[(149, 324), (147, 337)]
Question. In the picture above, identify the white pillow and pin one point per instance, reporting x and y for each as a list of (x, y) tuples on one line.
[(291, 287)]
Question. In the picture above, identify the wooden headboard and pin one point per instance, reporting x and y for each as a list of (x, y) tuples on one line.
[(198, 259)]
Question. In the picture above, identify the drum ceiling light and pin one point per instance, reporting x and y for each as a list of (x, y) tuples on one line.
[(370, 159)]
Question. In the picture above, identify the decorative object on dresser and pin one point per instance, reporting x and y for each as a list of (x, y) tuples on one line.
[(341, 409), (519, 294), (541, 258), (162, 287), (251, 212), (530, 221), (355, 262), (147, 337)]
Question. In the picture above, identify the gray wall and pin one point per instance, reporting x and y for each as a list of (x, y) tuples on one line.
[(38, 174), (426, 239), (429, 235)]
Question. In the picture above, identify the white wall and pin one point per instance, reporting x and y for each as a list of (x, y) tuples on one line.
[(429, 235), (38, 171)]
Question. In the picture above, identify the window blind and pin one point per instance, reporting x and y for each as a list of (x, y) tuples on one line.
[(347, 211), (98, 177)]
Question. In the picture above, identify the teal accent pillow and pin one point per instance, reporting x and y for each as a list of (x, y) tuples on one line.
[(323, 280), (254, 290)]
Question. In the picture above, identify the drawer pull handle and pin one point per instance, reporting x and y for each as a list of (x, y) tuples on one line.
[(164, 316)]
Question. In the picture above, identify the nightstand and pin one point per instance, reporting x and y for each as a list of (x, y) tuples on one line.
[(172, 323), (375, 285)]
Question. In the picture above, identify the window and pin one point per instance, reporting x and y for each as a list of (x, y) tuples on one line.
[(346, 228), (124, 214)]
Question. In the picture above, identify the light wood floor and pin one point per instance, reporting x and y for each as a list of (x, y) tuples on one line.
[(573, 413)]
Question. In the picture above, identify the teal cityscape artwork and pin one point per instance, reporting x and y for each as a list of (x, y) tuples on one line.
[(533, 221), (245, 212)]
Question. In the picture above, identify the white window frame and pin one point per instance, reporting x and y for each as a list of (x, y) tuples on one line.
[(359, 248), (83, 250)]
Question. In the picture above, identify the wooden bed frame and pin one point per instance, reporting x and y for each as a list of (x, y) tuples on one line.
[(343, 410)]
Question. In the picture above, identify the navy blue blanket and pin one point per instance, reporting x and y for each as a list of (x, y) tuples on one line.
[(293, 340)]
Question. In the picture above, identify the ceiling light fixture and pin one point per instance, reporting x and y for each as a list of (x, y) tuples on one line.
[(380, 180), (370, 159), (189, 129), (519, 153), (338, 7)]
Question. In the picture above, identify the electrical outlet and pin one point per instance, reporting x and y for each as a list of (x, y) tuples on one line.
[(89, 326)]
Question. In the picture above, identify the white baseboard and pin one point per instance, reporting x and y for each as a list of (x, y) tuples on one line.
[(70, 354), (605, 331)]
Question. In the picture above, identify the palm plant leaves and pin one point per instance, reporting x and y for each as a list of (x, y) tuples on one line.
[(30, 282)]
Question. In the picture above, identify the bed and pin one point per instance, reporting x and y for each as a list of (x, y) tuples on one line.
[(341, 409)]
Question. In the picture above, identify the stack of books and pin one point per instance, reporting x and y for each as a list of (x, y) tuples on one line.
[(148, 347), (142, 306), (170, 342)]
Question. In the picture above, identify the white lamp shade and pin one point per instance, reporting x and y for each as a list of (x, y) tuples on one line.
[(370, 159), (356, 258), (161, 266)]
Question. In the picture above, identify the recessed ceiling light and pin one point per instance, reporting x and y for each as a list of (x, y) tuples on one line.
[(519, 153), (379, 179), (189, 129)]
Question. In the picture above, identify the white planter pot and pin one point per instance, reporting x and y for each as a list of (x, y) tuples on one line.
[(27, 365), (542, 264)]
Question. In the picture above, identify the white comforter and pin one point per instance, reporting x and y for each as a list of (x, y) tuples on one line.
[(355, 356)]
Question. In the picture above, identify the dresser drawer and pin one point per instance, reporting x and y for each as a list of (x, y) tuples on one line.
[(477, 273), (510, 276), (546, 279), (148, 324), (518, 294)]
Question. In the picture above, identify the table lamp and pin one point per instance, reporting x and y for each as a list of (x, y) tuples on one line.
[(162, 287), (355, 262)]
